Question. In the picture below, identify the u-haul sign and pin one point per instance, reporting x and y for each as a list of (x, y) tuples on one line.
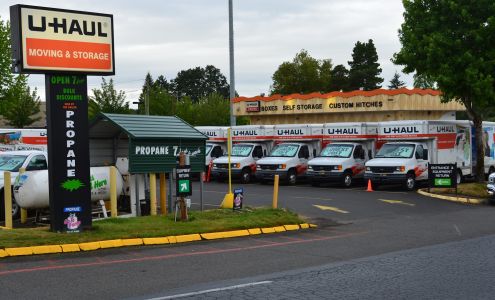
[(49, 40)]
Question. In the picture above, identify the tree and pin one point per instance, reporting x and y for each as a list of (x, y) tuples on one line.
[(423, 82), (340, 79), (108, 100), (303, 75), (21, 104), (365, 69), (396, 83), (6, 77), (198, 82), (450, 42)]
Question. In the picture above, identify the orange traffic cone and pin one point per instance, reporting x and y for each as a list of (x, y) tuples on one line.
[(370, 189)]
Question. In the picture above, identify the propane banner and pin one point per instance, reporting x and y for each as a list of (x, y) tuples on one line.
[(68, 152), (49, 39)]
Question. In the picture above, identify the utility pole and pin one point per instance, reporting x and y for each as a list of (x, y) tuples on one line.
[(232, 73)]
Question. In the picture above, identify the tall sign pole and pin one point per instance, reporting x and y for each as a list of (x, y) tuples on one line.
[(231, 56), (66, 46)]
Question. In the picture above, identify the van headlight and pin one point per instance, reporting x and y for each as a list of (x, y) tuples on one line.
[(338, 168), (310, 167), (282, 166), (368, 169), (258, 167), (400, 169), (215, 166)]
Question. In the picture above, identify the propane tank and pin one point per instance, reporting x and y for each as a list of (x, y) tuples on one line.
[(31, 188)]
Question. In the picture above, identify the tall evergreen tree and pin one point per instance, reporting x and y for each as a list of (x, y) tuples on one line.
[(6, 77), (364, 68), (340, 79), (396, 83), (21, 105), (107, 99)]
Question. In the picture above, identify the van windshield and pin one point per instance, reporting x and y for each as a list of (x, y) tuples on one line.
[(241, 150), (337, 150), (208, 149), (11, 162), (284, 150), (396, 151)]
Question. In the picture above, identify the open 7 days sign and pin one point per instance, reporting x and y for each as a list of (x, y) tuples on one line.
[(49, 39)]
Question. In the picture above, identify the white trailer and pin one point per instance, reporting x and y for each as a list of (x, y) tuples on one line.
[(348, 147), (250, 143), (295, 145)]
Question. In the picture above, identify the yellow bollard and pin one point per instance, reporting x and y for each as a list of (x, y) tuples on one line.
[(23, 210), (7, 196), (275, 192), (153, 194), (163, 194), (113, 191)]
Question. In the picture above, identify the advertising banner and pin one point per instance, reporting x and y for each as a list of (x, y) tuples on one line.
[(238, 198), (68, 152)]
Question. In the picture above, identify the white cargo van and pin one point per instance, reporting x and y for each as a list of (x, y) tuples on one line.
[(348, 147), (249, 144), (295, 145), (216, 145), (408, 147)]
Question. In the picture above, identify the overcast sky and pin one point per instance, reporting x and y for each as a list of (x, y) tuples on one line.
[(165, 37)]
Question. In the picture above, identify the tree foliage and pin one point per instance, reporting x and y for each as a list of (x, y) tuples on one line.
[(197, 83), (107, 99), (340, 79), (6, 77), (423, 82), (451, 43), (304, 74), (21, 105), (396, 83), (364, 68)]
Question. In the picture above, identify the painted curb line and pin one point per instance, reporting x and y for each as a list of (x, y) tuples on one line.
[(106, 244), (463, 200)]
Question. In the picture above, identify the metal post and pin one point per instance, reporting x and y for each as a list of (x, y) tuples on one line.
[(275, 192), (231, 56), (138, 201), (23, 210), (113, 191), (229, 149), (163, 194), (153, 194), (170, 190), (201, 190), (7, 197)]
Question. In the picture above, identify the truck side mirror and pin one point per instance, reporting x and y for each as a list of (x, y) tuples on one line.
[(425, 154)]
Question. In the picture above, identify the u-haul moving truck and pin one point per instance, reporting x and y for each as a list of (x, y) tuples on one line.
[(23, 139), (250, 143), (348, 147), (408, 147), (216, 145), (296, 144)]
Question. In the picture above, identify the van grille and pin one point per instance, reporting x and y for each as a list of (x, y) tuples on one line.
[(383, 169)]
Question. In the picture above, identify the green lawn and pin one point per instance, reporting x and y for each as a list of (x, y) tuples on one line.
[(472, 189), (153, 226)]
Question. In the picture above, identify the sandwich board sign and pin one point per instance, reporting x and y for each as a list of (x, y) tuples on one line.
[(66, 46)]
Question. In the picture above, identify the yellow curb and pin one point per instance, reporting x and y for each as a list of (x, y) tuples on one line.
[(132, 242), (172, 239), (155, 241), (47, 249), (3, 253), (304, 226), (213, 235), (5, 228), (268, 230), (279, 229), (89, 246), (254, 231), (224, 234), (313, 225), (111, 244), (464, 200), (188, 238), (19, 251), (70, 248), (291, 227)]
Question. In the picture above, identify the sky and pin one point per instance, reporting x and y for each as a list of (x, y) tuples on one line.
[(167, 36)]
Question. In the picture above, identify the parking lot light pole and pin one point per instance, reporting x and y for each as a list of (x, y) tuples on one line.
[(231, 56)]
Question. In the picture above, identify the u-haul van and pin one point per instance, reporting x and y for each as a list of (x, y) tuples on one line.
[(295, 145), (348, 147), (250, 143), (23, 139), (408, 146), (216, 145)]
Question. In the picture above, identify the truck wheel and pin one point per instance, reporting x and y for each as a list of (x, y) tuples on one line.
[(347, 180), (292, 177), (246, 176), (16, 209), (410, 182)]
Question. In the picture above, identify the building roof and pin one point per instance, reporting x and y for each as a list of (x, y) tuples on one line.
[(142, 127)]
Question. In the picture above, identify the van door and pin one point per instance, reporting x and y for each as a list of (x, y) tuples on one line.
[(421, 169), (359, 157), (303, 155)]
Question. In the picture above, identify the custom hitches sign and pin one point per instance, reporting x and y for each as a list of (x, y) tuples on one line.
[(442, 175), (50, 39)]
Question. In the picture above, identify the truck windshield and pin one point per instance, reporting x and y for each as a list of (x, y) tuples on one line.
[(337, 150), (11, 162), (241, 150), (396, 151), (284, 150), (208, 149)]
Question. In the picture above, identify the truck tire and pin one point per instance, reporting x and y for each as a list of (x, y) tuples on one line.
[(347, 179), (246, 176), (410, 183), (292, 177), (16, 209)]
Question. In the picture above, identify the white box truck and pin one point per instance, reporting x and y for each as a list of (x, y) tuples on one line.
[(295, 145), (348, 147), (216, 145), (408, 146), (250, 143)]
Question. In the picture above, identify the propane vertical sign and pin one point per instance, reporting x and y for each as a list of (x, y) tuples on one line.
[(66, 46)]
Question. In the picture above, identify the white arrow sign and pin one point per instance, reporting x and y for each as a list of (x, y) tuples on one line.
[(183, 187)]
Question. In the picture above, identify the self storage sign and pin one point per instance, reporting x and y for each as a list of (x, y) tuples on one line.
[(56, 40)]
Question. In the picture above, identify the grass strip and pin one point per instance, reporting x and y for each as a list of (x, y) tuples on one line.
[(153, 226), (472, 189)]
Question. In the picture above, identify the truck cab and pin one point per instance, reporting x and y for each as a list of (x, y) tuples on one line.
[(289, 160), (216, 145), (399, 162), (213, 151), (242, 161), (339, 162)]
